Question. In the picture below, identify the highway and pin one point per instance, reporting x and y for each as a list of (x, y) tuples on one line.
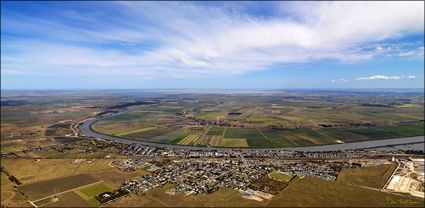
[(86, 130)]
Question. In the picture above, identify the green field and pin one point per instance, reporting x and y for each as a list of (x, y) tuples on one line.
[(211, 115), (4, 179), (279, 176), (278, 139), (95, 189), (89, 193), (215, 131), (252, 136), (372, 133)]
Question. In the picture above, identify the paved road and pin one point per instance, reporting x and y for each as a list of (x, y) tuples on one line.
[(87, 131)]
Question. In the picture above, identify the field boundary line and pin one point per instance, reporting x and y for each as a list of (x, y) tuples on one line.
[(290, 139), (224, 132), (262, 134), (391, 176)]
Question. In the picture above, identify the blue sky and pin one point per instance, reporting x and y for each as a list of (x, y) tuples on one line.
[(136, 45)]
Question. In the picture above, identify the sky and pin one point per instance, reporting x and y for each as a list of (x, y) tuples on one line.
[(212, 45)]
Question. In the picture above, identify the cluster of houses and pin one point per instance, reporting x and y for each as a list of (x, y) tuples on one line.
[(193, 176), (146, 151)]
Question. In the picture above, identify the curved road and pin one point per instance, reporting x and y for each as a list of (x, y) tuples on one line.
[(87, 131)]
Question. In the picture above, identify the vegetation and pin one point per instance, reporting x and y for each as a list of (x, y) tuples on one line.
[(370, 176), (279, 176), (50, 187), (311, 192)]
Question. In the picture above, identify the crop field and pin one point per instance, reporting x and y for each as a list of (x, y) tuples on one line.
[(148, 133), (189, 140), (278, 139), (235, 142), (216, 141), (50, 187), (252, 136), (384, 132), (216, 131), (212, 115), (370, 176)]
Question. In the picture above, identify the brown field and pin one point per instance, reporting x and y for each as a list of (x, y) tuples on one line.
[(235, 142), (273, 186), (319, 193), (203, 140), (30, 171), (50, 187), (216, 141), (191, 138), (158, 198), (370, 176)]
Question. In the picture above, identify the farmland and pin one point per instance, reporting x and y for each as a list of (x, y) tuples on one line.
[(370, 176), (282, 119), (270, 120), (50, 187)]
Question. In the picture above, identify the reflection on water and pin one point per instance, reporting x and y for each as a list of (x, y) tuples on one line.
[(415, 147)]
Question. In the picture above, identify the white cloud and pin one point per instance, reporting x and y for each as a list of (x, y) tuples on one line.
[(193, 40), (411, 77), (419, 52), (379, 77), (338, 80)]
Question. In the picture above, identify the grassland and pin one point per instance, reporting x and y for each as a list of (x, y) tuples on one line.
[(69, 199), (279, 176), (4, 179), (212, 115), (88, 193), (370, 176), (310, 192)]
